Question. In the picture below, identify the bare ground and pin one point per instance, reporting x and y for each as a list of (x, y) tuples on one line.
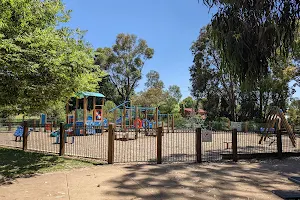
[(218, 181)]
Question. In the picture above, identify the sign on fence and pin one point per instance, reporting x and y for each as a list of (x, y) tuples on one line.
[(206, 136), (236, 125)]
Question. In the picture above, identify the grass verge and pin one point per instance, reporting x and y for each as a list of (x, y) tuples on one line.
[(16, 163)]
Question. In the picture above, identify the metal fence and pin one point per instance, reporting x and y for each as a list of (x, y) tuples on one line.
[(140, 145), (87, 142), (133, 145), (179, 146), (221, 143)]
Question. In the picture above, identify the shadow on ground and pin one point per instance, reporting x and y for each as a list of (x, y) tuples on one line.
[(247, 179), (16, 163)]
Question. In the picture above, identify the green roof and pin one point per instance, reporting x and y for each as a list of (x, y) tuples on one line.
[(81, 95)]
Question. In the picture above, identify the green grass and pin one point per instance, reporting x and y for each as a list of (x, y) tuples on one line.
[(16, 163)]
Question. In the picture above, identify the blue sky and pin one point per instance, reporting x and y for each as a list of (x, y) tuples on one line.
[(169, 26)]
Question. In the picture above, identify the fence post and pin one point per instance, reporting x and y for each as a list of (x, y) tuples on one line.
[(25, 135), (159, 145), (111, 144), (279, 144), (198, 146), (163, 129), (62, 143), (9, 125), (168, 124), (234, 145), (172, 123)]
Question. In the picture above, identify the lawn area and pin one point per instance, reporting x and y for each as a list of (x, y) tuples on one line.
[(16, 163)]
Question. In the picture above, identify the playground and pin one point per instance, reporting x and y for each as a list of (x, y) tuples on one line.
[(134, 135)]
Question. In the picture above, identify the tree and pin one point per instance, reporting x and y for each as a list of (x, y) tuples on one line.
[(294, 112), (153, 80), (107, 107), (174, 92), (152, 97), (125, 63), (188, 102), (249, 34), (208, 76), (41, 64), (104, 59)]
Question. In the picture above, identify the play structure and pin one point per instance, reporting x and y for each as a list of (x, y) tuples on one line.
[(129, 116), (276, 121), (85, 116), (85, 111), (19, 133)]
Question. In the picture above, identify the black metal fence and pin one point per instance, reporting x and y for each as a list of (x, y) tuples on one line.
[(221, 143), (179, 146), (140, 145)]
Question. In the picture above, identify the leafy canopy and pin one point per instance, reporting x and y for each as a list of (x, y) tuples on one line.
[(124, 62), (41, 64), (249, 34), (153, 80)]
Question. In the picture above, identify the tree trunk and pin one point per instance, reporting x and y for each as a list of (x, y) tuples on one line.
[(261, 103), (232, 101)]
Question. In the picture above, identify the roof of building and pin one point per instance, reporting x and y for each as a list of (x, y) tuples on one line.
[(88, 94), (192, 110)]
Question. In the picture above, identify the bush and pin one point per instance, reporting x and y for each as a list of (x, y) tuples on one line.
[(179, 122)]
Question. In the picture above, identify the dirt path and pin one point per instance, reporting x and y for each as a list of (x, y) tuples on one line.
[(243, 180)]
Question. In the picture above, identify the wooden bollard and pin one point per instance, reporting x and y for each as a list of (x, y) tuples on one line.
[(198, 145), (111, 138), (159, 146), (25, 135)]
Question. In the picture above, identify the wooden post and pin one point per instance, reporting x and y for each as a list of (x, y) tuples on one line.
[(172, 123), (75, 116), (246, 127), (94, 109), (84, 114), (198, 146), (111, 144), (102, 115), (156, 117), (129, 117), (9, 125), (124, 118), (67, 112), (25, 135), (61, 139), (45, 123), (168, 124), (234, 145), (136, 119), (159, 145), (34, 124), (102, 119), (279, 144), (55, 123), (163, 128)]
